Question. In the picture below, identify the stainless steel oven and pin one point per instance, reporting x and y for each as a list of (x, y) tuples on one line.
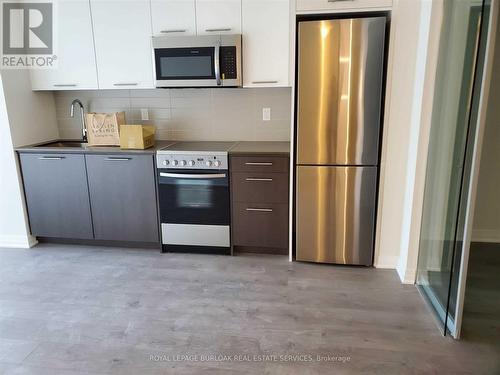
[(198, 61), (193, 189)]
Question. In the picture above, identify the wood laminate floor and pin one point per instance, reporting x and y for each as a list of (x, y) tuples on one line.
[(89, 310)]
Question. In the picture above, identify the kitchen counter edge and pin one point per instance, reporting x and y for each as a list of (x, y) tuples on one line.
[(239, 149), (261, 147), (35, 148)]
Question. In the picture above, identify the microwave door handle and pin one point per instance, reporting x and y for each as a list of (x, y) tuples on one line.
[(217, 63)]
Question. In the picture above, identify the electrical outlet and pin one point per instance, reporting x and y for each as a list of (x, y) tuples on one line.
[(144, 114), (266, 114)]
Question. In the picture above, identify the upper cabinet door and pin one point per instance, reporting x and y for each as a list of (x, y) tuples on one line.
[(76, 67), (266, 43), (122, 32), (218, 16), (173, 17)]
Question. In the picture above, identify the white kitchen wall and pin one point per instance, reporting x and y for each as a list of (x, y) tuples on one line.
[(188, 114), (25, 117), (397, 136), (31, 114), (486, 226)]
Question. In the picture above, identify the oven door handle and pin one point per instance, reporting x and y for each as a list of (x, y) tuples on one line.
[(193, 176)]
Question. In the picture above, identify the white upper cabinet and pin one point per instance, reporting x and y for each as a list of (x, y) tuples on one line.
[(333, 5), (122, 32), (218, 16), (266, 42), (76, 68), (173, 17)]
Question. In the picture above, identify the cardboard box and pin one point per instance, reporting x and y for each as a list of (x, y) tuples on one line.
[(137, 137)]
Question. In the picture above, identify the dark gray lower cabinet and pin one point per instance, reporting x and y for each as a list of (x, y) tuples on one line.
[(123, 197), (259, 195), (57, 195)]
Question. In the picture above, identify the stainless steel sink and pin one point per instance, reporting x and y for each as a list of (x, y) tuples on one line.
[(62, 144)]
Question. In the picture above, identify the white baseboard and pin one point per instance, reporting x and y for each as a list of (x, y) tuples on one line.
[(407, 276), (486, 235), (389, 262), (18, 242)]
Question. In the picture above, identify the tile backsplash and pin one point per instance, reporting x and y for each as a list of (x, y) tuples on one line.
[(188, 114)]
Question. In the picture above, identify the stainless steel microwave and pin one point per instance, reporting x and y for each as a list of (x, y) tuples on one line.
[(198, 61)]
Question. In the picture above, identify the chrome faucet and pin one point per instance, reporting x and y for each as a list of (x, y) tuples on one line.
[(82, 113)]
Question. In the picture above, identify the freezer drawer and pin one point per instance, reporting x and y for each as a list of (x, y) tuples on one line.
[(340, 70), (335, 214)]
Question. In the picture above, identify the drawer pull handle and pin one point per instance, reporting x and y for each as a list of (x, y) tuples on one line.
[(125, 84), (51, 158), (218, 29), (260, 209), (118, 159), (65, 85), (258, 163), (337, 1), (259, 179), (263, 82), (173, 31)]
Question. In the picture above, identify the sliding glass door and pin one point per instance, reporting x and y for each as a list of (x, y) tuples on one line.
[(453, 129)]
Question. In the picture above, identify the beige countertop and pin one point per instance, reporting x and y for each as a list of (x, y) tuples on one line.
[(39, 148), (261, 147), (240, 148)]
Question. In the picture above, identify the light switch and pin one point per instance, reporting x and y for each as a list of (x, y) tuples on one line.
[(266, 114), (144, 114)]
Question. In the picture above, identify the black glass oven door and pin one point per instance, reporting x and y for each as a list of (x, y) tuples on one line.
[(185, 63), (194, 196)]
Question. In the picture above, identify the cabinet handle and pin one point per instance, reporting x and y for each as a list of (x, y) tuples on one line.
[(259, 179), (258, 163), (260, 209), (219, 29), (65, 85), (118, 159), (173, 31), (263, 82), (126, 84), (337, 1), (51, 158)]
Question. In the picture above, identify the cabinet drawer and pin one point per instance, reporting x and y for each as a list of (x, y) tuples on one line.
[(260, 225), (305, 5), (260, 187), (259, 164)]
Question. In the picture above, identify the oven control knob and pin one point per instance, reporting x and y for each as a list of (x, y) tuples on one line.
[(175, 163), (183, 163), (166, 162), (191, 163), (217, 163), (208, 163)]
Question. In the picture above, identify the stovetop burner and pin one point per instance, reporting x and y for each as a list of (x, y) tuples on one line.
[(198, 147)]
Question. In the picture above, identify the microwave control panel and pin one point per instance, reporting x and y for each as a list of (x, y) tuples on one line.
[(228, 63)]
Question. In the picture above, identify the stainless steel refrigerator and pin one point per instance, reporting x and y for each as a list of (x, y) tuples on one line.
[(339, 100)]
